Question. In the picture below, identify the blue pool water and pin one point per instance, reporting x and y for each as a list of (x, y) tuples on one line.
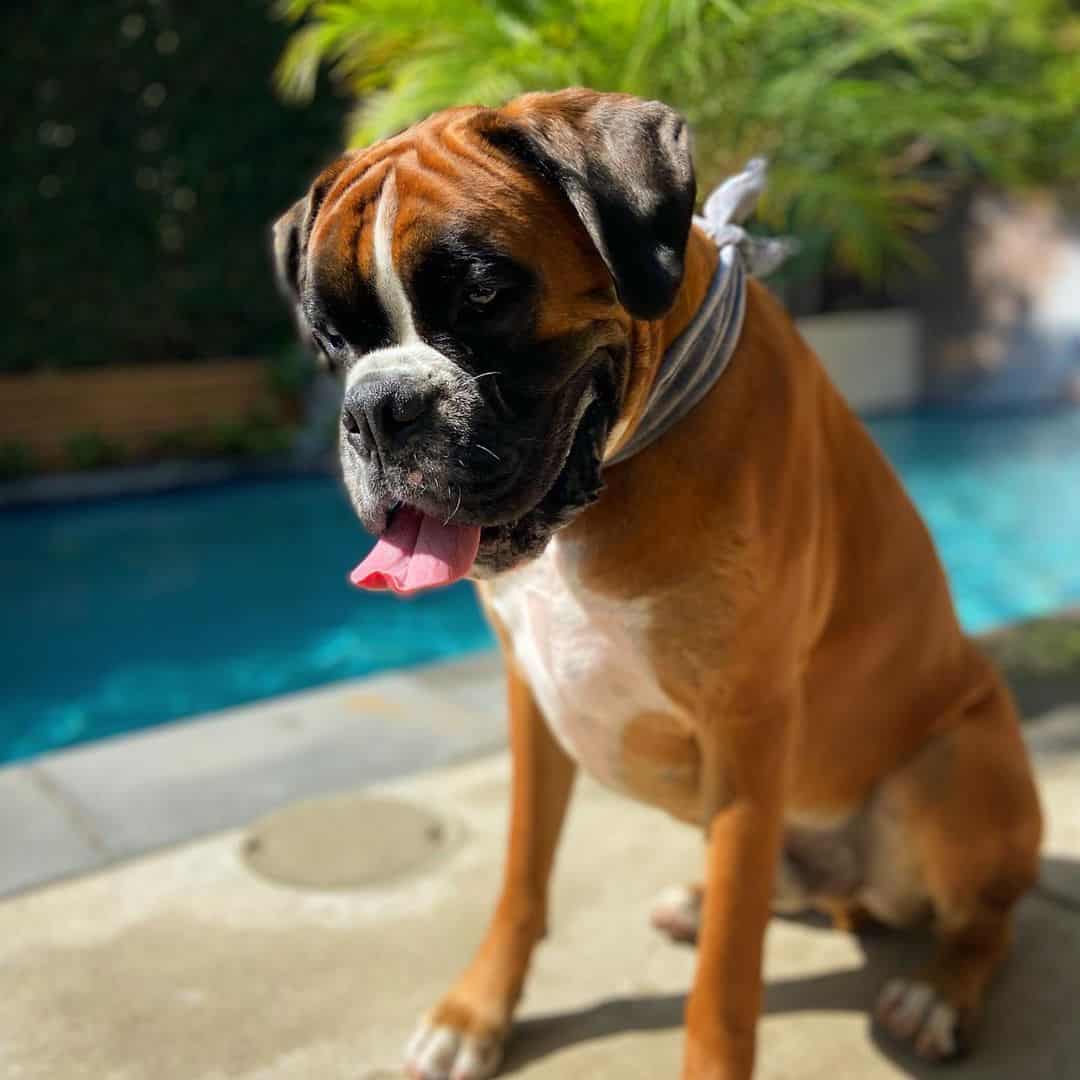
[(128, 613)]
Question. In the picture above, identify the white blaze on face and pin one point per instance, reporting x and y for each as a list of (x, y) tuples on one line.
[(409, 353), (388, 286)]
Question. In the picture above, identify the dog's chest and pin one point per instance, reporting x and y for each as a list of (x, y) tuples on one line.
[(586, 659)]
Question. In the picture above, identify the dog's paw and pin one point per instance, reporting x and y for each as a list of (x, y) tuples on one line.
[(449, 1044), (677, 912), (915, 1013)]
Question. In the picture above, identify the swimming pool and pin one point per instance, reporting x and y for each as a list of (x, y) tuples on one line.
[(128, 613)]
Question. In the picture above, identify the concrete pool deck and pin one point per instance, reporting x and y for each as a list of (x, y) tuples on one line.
[(186, 964), (89, 807)]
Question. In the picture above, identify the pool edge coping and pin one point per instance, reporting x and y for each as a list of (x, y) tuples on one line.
[(97, 805)]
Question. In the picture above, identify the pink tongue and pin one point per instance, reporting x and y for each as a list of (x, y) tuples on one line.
[(418, 552)]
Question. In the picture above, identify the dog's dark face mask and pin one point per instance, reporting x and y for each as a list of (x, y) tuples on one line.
[(473, 281)]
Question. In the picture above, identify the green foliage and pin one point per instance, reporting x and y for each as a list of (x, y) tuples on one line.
[(256, 435), (16, 461), (89, 450), (869, 109), (184, 444), (289, 371), (1041, 646), (146, 155)]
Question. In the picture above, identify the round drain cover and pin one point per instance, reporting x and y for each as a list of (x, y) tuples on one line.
[(343, 841)]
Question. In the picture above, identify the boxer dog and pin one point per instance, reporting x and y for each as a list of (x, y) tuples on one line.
[(743, 622)]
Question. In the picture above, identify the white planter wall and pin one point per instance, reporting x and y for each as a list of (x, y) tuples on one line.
[(871, 356)]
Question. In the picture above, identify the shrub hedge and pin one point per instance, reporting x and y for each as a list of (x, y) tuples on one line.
[(147, 155)]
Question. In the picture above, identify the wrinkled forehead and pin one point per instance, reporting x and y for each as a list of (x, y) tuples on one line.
[(437, 184)]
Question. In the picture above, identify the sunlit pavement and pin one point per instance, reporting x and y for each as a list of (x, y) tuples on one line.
[(95, 805), (198, 962)]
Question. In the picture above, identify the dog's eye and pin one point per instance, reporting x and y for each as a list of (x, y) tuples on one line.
[(331, 345), (331, 339), (481, 298)]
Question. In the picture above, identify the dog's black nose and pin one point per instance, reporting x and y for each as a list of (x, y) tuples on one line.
[(381, 412)]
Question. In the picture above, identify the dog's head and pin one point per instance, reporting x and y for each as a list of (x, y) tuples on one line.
[(475, 281)]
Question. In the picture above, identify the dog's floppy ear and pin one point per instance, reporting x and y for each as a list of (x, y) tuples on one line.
[(288, 238), (625, 166), (291, 231)]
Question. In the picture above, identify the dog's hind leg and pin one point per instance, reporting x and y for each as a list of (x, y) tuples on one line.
[(846, 915), (677, 912), (967, 811)]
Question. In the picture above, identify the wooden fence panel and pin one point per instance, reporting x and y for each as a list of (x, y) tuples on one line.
[(130, 407)]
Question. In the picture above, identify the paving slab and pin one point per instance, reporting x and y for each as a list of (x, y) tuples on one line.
[(41, 837), (187, 965), (205, 774)]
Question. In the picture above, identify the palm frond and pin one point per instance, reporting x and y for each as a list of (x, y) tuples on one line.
[(849, 97)]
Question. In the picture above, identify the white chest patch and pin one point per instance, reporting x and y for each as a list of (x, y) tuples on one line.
[(584, 656)]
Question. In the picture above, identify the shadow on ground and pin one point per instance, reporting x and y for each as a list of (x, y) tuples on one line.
[(1029, 1028)]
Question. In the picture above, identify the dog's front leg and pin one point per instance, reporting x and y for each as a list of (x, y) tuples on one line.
[(744, 764), (462, 1037)]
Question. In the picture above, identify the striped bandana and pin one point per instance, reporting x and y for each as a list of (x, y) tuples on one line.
[(696, 359)]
